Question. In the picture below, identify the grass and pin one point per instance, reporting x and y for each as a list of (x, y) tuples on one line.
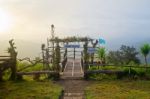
[(118, 89), (29, 90)]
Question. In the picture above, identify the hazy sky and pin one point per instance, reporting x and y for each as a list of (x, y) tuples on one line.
[(125, 20)]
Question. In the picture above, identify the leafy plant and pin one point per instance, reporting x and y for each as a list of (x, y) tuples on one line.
[(125, 55), (145, 49), (101, 54)]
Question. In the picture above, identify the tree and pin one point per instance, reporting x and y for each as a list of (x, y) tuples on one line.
[(125, 55), (145, 49), (129, 54), (114, 57)]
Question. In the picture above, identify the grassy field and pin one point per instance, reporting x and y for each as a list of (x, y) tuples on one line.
[(29, 90), (118, 89)]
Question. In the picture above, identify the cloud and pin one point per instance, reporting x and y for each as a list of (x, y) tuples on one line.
[(113, 19)]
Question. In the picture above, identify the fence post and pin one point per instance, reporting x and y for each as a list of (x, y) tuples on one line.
[(130, 70), (74, 53), (85, 71), (0, 76)]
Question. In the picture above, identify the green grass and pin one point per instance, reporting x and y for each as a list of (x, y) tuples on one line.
[(118, 89), (37, 67), (29, 90)]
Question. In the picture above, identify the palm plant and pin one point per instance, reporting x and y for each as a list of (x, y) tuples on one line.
[(145, 49), (101, 54)]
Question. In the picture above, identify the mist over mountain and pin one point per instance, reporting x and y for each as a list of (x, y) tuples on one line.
[(33, 49), (24, 48)]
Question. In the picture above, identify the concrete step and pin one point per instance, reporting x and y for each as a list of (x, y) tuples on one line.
[(68, 97), (71, 78), (73, 95)]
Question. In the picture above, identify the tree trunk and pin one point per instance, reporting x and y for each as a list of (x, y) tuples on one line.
[(145, 63), (13, 70), (0, 75)]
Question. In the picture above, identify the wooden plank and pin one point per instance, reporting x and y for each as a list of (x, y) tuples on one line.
[(95, 64), (4, 56), (104, 71), (5, 59), (37, 72)]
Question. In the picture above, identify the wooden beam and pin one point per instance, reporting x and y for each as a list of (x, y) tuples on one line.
[(5, 59), (96, 64), (4, 56), (104, 71), (37, 72)]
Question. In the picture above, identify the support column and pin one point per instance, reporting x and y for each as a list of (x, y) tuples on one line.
[(74, 53)]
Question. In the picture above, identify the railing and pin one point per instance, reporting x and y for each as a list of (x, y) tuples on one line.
[(64, 62), (5, 63), (87, 71)]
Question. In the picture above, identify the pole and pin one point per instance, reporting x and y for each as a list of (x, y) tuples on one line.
[(74, 53)]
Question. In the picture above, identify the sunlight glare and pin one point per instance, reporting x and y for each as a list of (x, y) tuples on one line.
[(5, 21)]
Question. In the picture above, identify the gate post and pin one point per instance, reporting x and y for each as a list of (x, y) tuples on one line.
[(74, 53), (85, 71)]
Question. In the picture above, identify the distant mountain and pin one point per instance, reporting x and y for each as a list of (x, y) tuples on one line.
[(24, 48)]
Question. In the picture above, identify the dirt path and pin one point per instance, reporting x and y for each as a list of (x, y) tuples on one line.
[(72, 80)]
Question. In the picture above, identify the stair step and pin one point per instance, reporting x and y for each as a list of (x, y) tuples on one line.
[(71, 78), (76, 97), (73, 94)]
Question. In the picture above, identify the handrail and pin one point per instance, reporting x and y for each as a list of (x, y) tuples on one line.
[(134, 66)]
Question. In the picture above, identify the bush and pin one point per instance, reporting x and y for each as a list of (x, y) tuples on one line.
[(101, 76), (54, 76), (130, 72)]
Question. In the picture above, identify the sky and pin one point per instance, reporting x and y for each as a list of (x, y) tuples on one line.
[(121, 21)]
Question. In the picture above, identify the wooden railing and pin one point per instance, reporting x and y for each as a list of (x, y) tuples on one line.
[(5, 63), (87, 71), (64, 62)]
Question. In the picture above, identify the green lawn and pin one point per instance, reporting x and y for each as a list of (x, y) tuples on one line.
[(29, 90), (118, 89)]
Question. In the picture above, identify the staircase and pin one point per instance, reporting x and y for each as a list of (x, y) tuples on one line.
[(72, 79)]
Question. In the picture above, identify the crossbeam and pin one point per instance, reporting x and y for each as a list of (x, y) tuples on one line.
[(37, 72), (104, 71), (4, 56), (5, 59)]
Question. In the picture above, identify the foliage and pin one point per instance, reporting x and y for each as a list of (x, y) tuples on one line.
[(101, 54), (131, 73), (37, 67), (101, 76), (114, 57), (129, 54), (118, 89), (72, 39), (125, 55), (29, 90), (145, 49)]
